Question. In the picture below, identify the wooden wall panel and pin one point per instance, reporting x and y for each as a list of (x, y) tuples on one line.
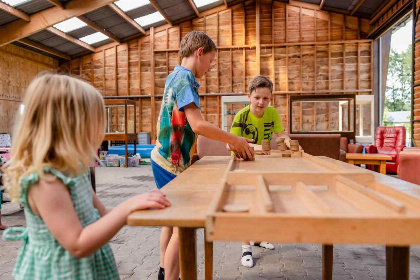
[(18, 67), (302, 49)]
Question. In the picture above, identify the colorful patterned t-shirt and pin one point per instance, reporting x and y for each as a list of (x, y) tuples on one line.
[(176, 140), (245, 124)]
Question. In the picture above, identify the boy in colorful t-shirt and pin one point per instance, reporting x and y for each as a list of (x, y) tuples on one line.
[(178, 124), (258, 121)]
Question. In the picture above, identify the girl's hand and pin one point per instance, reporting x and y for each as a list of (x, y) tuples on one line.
[(152, 199)]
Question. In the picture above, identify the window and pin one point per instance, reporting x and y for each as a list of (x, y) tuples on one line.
[(128, 5), (70, 25), (94, 38), (202, 3), (364, 118), (149, 19), (14, 3)]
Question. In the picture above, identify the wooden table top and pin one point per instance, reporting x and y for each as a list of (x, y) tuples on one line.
[(361, 156), (192, 191)]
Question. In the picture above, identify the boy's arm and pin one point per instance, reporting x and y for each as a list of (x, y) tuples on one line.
[(237, 144)]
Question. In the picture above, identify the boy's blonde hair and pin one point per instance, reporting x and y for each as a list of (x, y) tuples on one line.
[(62, 125), (194, 40), (260, 82)]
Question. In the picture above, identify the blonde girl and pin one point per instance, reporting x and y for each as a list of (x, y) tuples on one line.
[(68, 228)]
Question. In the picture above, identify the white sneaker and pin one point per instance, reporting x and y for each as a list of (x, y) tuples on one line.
[(263, 244), (247, 260)]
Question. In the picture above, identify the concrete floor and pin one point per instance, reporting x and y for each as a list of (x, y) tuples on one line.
[(136, 249)]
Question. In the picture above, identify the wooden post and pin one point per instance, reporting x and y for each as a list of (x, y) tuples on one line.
[(397, 263), (116, 71), (327, 261), (152, 94), (128, 70), (258, 43), (187, 253), (103, 72)]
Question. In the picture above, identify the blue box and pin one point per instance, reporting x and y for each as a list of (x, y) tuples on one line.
[(143, 150)]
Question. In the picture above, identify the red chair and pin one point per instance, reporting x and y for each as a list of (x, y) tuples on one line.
[(389, 140)]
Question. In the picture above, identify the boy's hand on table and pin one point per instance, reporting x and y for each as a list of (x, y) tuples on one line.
[(242, 148)]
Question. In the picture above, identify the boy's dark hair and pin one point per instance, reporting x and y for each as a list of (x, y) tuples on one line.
[(260, 82), (194, 40)]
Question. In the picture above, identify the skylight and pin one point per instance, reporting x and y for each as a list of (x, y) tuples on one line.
[(14, 3), (94, 38), (128, 5), (201, 3), (70, 25), (149, 19)]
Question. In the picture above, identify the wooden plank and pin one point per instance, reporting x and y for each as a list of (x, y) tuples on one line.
[(15, 12), (99, 29), (126, 18), (311, 199), (161, 11), (44, 48), (382, 199), (66, 36), (321, 5), (19, 29), (264, 200), (381, 11)]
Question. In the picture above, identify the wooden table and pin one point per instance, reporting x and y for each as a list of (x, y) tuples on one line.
[(373, 159), (373, 218)]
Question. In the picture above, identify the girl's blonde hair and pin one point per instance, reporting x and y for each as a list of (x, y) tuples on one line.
[(62, 125)]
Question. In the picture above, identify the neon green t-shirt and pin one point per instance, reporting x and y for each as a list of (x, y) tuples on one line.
[(245, 124)]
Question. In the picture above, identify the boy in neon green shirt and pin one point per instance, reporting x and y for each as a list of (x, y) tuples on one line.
[(258, 121)]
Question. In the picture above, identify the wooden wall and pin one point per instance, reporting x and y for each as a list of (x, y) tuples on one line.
[(18, 67), (302, 49)]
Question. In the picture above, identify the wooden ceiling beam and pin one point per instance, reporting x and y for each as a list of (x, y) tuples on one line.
[(15, 12), (99, 29), (357, 7), (226, 3), (194, 7), (381, 10), (89, 22), (20, 29), (57, 3), (321, 4), (43, 48), (126, 17), (161, 11), (70, 38)]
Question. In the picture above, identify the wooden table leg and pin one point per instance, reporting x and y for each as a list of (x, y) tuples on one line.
[(208, 259), (187, 253), (327, 261), (397, 263), (382, 169), (350, 161)]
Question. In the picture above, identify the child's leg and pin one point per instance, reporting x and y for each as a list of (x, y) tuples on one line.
[(1, 200), (172, 257), (246, 257), (165, 236), (2, 227)]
